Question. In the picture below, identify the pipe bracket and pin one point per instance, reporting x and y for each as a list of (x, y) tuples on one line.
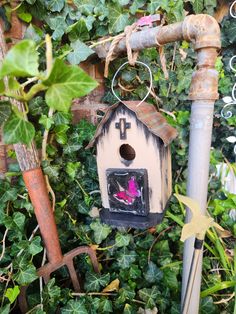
[(204, 85)]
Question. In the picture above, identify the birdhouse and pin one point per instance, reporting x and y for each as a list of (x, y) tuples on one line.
[(134, 164)]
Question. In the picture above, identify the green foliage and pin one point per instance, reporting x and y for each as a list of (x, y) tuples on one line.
[(12, 293), (94, 282), (65, 83), (100, 230), (148, 264), (74, 307), (62, 85), (21, 60), (17, 129)]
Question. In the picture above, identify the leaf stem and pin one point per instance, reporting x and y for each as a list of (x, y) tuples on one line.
[(82, 189), (29, 81), (79, 294), (48, 53), (101, 42)]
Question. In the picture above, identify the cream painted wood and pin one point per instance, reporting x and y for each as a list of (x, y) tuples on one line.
[(148, 151)]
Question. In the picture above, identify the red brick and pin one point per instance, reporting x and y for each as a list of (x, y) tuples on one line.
[(16, 30)]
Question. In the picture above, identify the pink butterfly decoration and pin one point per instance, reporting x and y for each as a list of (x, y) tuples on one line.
[(128, 196)]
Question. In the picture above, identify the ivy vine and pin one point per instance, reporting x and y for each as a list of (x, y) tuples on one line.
[(139, 269)]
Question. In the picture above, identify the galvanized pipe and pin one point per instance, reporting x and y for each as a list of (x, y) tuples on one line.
[(204, 32), (197, 185)]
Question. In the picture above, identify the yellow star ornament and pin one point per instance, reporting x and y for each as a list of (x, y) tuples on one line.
[(199, 223)]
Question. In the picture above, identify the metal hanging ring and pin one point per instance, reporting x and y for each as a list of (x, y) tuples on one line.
[(231, 10), (115, 75)]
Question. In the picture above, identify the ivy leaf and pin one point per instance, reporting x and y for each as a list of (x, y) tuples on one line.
[(46, 121), (80, 52), (210, 5), (51, 292), (198, 6), (94, 282), (207, 306), (85, 6), (149, 296), (128, 309), (21, 60), (66, 83), (153, 273), (117, 19), (5, 309), (12, 293), (135, 272), (59, 26), (101, 231), (34, 33), (105, 306), (18, 130), (19, 220), (71, 169), (74, 307), (55, 5), (126, 258), (170, 279), (26, 275), (9, 195), (62, 118), (71, 148), (164, 256), (25, 16), (5, 111), (60, 132), (122, 239), (154, 5), (51, 170), (35, 246), (78, 30), (136, 4), (126, 294), (123, 2)]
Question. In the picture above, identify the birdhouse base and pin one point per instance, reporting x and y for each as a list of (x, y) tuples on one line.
[(132, 221)]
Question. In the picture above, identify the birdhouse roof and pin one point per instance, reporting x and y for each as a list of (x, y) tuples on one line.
[(147, 114)]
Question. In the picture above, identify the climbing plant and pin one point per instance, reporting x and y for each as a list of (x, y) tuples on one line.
[(139, 269)]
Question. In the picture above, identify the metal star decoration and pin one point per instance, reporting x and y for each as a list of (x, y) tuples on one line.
[(199, 223)]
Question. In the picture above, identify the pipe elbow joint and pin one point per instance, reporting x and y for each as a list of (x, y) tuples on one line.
[(202, 30)]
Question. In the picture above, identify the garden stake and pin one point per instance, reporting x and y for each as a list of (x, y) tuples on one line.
[(28, 160), (197, 227), (204, 32)]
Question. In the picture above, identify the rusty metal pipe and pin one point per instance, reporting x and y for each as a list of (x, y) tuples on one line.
[(204, 32), (37, 188)]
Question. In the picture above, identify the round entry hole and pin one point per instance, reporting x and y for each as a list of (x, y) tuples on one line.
[(127, 152)]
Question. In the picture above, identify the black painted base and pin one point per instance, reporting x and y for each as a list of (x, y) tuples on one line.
[(133, 221)]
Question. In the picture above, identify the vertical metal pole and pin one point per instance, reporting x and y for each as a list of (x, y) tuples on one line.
[(197, 185)]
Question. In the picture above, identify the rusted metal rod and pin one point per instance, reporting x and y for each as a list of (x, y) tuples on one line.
[(204, 32)]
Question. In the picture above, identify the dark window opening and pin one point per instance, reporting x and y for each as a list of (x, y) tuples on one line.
[(127, 152)]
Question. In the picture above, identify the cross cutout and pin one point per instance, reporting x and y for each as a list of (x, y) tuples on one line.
[(122, 125)]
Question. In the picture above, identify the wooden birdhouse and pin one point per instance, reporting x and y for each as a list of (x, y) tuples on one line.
[(134, 164)]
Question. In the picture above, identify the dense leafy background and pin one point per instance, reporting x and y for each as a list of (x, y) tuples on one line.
[(147, 263)]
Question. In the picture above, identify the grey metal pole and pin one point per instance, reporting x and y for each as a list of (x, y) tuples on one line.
[(197, 185)]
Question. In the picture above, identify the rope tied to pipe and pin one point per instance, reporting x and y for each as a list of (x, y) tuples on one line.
[(132, 55)]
